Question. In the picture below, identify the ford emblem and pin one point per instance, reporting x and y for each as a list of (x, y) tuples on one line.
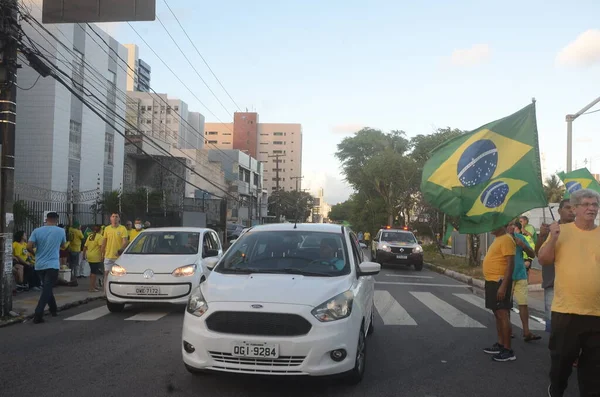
[(257, 306), (148, 274)]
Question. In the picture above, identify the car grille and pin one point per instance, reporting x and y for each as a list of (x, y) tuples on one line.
[(262, 324), (282, 362), (405, 251)]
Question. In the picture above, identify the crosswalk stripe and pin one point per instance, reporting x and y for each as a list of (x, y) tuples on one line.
[(515, 320), (390, 310), (90, 314), (150, 316), (406, 275), (449, 313)]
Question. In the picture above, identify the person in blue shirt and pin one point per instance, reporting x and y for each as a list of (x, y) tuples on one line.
[(48, 241), (520, 285), (327, 251)]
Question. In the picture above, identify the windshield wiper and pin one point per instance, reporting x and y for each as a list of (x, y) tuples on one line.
[(291, 270)]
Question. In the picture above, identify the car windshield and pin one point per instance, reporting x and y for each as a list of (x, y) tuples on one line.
[(398, 237), (287, 252), (165, 243)]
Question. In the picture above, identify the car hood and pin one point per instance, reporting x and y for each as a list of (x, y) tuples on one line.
[(156, 263), (400, 244), (273, 288)]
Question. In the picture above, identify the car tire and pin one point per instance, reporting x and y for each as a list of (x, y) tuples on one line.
[(419, 266), (372, 323), (115, 307), (356, 374), (194, 371)]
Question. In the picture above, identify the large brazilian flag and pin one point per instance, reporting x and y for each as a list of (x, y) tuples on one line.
[(578, 179), (488, 176)]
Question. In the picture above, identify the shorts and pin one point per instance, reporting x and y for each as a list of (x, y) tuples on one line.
[(491, 301), (96, 268), (108, 264), (520, 292)]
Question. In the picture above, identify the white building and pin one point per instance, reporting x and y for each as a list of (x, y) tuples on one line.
[(138, 71), (57, 137)]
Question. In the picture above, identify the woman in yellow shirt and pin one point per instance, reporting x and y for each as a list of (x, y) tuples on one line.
[(24, 258), (93, 254)]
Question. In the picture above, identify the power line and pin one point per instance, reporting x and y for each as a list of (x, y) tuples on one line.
[(203, 60)]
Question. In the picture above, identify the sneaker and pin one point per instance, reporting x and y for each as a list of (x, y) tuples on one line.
[(37, 289), (505, 355), (495, 349)]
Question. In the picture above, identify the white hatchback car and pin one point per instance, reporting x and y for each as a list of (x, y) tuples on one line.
[(274, 305), (162, 265)]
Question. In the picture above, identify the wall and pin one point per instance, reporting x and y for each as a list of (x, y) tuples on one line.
[(245, 132)]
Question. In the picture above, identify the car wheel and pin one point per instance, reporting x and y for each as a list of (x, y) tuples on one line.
[(194, 371), (355, 375), (115, 307), (419, 266), (372, 325)]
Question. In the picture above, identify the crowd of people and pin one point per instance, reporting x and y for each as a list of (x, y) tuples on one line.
[(569, 252)]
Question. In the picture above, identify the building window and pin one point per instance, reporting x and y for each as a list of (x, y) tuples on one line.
[(277, 151), (149, 121), (213, 142), (75, 140), (150, 108), (111, 95), (227, 133), (278, 143), (78, 69), (255, 179), (213, 133), (226, 143), (264, 143), (264, 134), (278, 134), (109, 146), (176, 108)]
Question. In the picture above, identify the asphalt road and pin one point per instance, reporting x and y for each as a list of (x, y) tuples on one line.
[(428, 342)]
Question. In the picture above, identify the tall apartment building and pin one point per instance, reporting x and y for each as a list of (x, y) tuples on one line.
[(58, 139), (140, 80), (264, 141)]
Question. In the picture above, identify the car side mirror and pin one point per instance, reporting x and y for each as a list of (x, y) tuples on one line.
[(369, 269), (210, 253), (363, 245), (211, 262)]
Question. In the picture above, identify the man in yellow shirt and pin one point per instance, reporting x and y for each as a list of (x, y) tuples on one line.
[(498, 267), (574, 249), (137, 229), (113, 243), (75, 240)]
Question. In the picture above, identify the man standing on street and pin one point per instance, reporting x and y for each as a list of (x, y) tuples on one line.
[(498, 267), (48, 241), (114, 242), (566, 214), (574, 250)]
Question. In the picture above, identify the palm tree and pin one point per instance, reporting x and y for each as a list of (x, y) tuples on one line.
[(554, 189)]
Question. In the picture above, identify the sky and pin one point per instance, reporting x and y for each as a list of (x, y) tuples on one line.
[(339, 65)]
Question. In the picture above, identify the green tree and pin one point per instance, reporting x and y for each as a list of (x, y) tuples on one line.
[(293, 205), (341, 211), (554, 189)]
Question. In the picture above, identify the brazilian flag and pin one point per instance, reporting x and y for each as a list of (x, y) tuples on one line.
[(578, 179), (448, 233), (488, 176)]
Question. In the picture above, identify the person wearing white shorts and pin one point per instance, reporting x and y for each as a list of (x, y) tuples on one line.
[(113, 243)]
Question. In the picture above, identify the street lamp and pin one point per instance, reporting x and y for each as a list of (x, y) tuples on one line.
[(570, 118)]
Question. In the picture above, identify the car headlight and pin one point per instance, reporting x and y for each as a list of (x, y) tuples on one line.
[(418, 249), (184, 271), (196, 303), (384, 247), (336, 308), (117, 270)]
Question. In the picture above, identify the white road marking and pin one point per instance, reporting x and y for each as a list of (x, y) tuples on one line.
[(449, 313), (515, 320), (406, 275), (423, 284), (150, 316), (390, 310), (90, 314)]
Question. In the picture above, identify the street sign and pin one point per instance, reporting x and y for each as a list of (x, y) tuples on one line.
[(76, 11)]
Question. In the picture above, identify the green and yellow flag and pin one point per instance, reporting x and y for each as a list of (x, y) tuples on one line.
[(578, 179), (488, 176)]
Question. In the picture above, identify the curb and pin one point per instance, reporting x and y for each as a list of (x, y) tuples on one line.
[(22, 319)]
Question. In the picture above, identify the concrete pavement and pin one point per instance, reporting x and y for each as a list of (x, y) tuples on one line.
[(430, 331)]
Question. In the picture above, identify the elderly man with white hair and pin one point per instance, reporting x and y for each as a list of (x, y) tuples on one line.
[(574, 249)]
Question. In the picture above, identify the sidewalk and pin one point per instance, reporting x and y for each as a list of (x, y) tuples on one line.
[(24, 303)]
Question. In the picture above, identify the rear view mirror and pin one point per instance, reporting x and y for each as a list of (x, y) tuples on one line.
[(211, 262)]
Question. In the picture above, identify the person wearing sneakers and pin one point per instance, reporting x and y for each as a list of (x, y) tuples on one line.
[(498, 267), (520, 285), (114, 242), (47, 240), (574, 250), (93, 254)]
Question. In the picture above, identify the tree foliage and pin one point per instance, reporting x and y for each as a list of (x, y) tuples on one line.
[(293, 205), (554, 189)]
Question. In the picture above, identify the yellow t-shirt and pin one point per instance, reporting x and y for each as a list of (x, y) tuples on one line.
[(367, 236), (75, 239), (94, 252), (577, 267), (20, 250), (494, 263), (114, 240), (134, 233)]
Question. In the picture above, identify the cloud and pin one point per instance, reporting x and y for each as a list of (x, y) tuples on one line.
[(477, 54), (583, 51), (334, 188), (346, 129)]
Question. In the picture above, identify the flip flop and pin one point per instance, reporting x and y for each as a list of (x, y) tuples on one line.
[(532, 337)]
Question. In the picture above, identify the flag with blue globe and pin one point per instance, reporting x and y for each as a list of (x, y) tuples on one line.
[(578, 179), (488, 176)]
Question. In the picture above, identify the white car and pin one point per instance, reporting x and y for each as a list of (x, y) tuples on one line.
[(162, 265), (276, 306)]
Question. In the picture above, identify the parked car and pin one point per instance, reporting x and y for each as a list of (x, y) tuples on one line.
[(285, 299), (162, 265)]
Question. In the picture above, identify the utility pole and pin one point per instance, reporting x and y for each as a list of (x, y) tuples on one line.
[(570, 118), (277, 185), (297, 178), (9, 30)]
